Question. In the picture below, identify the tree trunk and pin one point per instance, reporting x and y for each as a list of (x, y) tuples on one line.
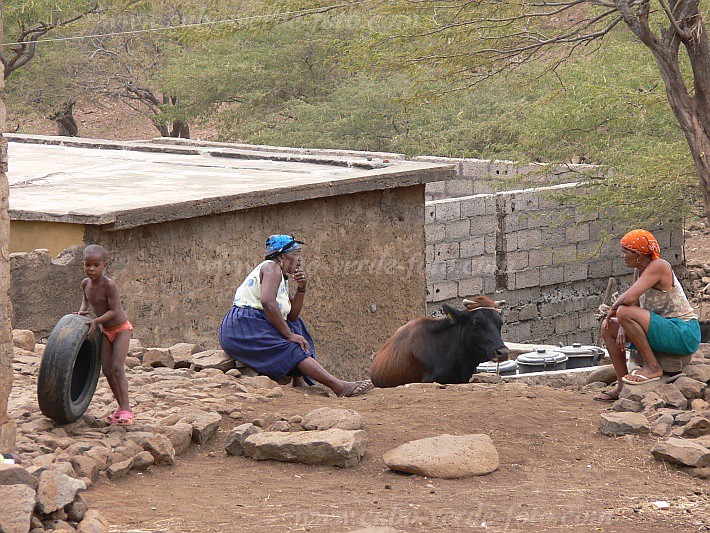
[(180, 129), (64, 117), (7, 427)]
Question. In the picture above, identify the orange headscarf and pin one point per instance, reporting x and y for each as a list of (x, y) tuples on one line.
[(642, 242)]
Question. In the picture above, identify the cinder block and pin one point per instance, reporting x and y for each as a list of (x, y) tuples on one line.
[(473, 247), (516, 261), (527, 278), (528, 312), (474, 168), (470, 287), (436, 271), (482, 225), (566, 323), (550, 309), (435, 232), (435, 187), (459, 187), (447, 210), (540, 257), (575, 272), (446, 250), (588, 321), (491, 205), (429, 212), (483, 266), (663, 237), (444, 291), (473, 205), (577, 233), (551, 275), (481, 186), (526, 201), (599, 269), (429, 254), (457, 269), (489, 285), (516, 221), (538, 219), (518, 332), (529, 239), (564, 254), (457, 229), (490, 244)]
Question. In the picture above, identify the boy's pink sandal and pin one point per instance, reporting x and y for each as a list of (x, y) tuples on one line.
[(125, 418), (113, 417)]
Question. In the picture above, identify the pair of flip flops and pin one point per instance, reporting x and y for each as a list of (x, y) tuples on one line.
[(360, 387), (120, 418), (640, 378)]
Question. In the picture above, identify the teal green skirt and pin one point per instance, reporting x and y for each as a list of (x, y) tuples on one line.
[(673, 335)]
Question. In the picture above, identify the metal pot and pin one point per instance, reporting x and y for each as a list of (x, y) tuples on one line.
[(541, 361), (581, 356), (506, 368)]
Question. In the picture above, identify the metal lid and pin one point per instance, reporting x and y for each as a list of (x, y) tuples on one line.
[(505, 366), (578, 349), (541, 356)]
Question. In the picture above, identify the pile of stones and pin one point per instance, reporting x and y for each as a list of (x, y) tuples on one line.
[(676, 409), (179, 395)]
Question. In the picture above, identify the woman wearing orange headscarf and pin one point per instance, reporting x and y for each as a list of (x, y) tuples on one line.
[(653, 315)]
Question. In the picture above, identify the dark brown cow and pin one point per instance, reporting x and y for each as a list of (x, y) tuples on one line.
[(444, 350)]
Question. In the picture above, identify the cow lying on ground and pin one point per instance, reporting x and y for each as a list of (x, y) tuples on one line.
[(444, 350)]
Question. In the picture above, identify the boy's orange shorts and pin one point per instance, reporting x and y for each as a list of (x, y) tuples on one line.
[(112, 332)]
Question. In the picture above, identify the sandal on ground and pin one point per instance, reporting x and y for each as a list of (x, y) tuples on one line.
[(640, 378), (605, 396), (360, 387), (125, 418), (113, 417)]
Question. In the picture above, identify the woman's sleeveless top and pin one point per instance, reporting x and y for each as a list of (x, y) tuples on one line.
[(249, 292), (668, 304)]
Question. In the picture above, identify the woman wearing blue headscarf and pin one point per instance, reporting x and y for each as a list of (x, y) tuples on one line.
[(263, 330)]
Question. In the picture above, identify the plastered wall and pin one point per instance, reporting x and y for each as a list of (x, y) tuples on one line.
[(364, 254)]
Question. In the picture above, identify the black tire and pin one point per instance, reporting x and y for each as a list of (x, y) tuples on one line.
[(69, 370)]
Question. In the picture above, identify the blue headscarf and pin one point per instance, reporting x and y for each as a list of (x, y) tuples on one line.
[(282, 244)]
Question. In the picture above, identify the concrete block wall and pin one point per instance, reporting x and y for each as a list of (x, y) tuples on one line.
[(545, 259), (480, 176)]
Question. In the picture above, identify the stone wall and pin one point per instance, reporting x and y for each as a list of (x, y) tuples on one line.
[(547, 260), (44, 290)]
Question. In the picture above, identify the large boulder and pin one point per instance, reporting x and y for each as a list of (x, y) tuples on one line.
[(682, 451), (234, 445), (18, 502), (23, 338), (327, 418), (616, 424), (445, 456), (56, 490), (334, 447), (212, 359), (701, 372)]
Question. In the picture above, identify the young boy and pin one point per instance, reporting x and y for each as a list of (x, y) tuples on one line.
[(101, 293)]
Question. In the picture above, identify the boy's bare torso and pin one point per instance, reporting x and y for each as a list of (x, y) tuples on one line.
[(97, 292)]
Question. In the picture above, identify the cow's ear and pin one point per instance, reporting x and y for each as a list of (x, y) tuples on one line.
[(450, 312)]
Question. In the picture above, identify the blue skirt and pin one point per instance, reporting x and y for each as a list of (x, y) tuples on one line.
[(673, 335), (247, 335)]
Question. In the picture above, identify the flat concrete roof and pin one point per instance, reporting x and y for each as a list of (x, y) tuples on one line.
[(123, 184)]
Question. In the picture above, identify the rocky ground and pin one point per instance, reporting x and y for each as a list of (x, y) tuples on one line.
[(564, 462)]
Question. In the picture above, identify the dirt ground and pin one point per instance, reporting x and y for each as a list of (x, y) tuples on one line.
[(557, 473)]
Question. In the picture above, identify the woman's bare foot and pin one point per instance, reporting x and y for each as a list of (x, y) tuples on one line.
[(298, 382)]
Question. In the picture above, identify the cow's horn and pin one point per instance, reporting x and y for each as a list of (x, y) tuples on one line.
[(500, 303)]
